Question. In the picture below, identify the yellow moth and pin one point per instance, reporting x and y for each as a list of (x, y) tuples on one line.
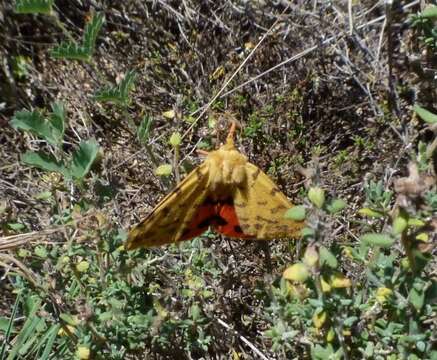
[(225, 192)]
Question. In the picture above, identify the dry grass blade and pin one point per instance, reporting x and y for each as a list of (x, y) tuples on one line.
[(19, 267), (14, 241)]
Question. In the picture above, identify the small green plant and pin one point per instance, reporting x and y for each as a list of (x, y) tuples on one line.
[(118, 94), (84, 52), (33, 6), (377, 197), (20, 66), (37, 336), (342, 319), (143, 130), (253, 128), (424, 23), (52, 130)]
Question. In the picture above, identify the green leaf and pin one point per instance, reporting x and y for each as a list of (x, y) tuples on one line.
[(57, 119), (69, 319), (33, 121), (92, 30), (381, 240), (71, 51), (350, 321), (44, 161), (28, 329), (430, 12), (118, 94), (425, 115), (9, 328), (175, 139), (317, 196), (4, 324), (307, 232), (16, 226), (318, 352), (143, 130), (336, 205), (44, 195), (326, 257), (296, 213), (41, 252), (297, 272), (400, 223), (83, 158), (82, 266), (417, 297), (370, 213), (163, 170), (33, 6), (84, 51), (49, 340)]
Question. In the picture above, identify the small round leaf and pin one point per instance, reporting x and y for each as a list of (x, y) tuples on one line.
[(400, 223), (336, 205), (175, 139), (382, 240), (296, 213), (163, 170), (296, 272), (317, 196)]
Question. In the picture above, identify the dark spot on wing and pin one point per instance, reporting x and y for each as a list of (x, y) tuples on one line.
[(165, 210), (212, 220), (278, 208), (258, 226), (255, 174), (205, 223), (240, 205), (260, 218), (238, 229), (282, 228), (261, 203), (274, 191), (218, 220)]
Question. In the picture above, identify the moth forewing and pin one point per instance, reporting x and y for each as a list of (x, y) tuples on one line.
[(260, 207), (166, 223)]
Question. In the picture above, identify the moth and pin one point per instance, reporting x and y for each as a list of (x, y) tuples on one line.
[(225, 192)]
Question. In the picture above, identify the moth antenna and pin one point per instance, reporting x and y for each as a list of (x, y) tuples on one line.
[(202, 152), (231, 134)]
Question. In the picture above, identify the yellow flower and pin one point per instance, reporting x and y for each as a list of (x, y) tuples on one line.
[(383, 294), (83, 352)]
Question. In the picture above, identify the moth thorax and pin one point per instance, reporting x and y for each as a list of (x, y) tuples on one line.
[(227, 169)]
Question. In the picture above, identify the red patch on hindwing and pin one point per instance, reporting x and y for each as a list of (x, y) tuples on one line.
[(220, 215), (230, 226), (200, 222)]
